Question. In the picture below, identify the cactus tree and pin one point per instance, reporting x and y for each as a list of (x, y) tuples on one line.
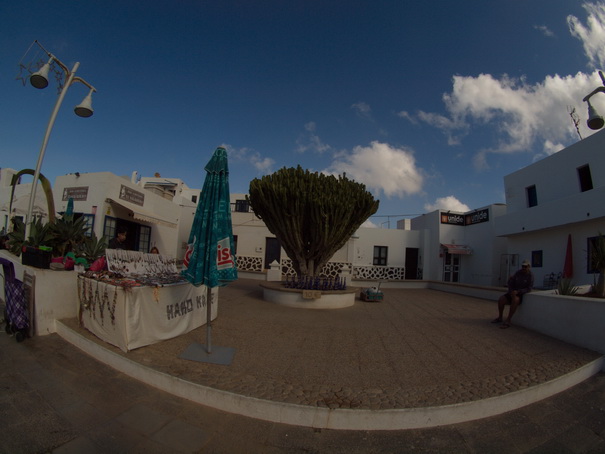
[(312, 214)]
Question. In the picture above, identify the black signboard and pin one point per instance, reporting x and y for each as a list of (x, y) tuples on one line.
[(477, 217), (450, 218), (132, 196), (76, 193)]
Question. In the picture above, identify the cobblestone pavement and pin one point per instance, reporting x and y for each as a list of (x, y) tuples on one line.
[(54, 398), (417, 348)]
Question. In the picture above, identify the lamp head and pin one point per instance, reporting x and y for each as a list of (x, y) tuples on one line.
[(39, 79), (84, 109), (595, 121)]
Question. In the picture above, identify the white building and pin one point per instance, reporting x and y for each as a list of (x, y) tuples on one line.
[(558, 196), (561, 195), (20, 202), (462, 247)]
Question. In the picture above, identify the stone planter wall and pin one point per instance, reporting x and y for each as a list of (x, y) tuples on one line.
[(574, 319)]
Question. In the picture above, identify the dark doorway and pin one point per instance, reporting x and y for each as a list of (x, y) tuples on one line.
[(272, 251), (132, 240), (411, 263)]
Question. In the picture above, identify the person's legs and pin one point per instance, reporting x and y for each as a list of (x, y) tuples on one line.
[(502, 301), (514, 303)]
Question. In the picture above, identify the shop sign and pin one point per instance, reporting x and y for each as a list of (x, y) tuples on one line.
[(477, 217), (76, 193), (454, 219), (132, 196)]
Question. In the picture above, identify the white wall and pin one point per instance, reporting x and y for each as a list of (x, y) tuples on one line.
[(55, 294), (396, 240), (553, 243), (560, 201), (106, 185), (556, 176)]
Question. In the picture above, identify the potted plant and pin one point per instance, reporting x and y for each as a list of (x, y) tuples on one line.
[(92, 248), (16, 238), (566, 287), (67, 234), (35, 250)]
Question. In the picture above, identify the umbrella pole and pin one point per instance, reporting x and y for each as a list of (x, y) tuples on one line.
[(209, 322)]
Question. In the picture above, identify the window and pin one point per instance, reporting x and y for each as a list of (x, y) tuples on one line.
[(380, 255), (234, 251), (109, 229), (242, 206), (144, 238), (532, 196), (90, 223), (194, 198), (536, 259), (585, 178)]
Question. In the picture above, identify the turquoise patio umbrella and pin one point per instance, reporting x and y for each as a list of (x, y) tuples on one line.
[(209, 259), (69, 211)]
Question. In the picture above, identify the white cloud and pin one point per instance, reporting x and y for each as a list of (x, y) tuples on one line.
[(405, 114), (446, 124), (363, 110), (449, 203), (262, 165), (552, 148), (311, 141), (592, 34), (381, 167), (527, 117), (523, 113), (545, 30)]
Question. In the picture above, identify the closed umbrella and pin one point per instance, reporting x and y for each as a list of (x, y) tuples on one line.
[(69, 211), (209, 260)]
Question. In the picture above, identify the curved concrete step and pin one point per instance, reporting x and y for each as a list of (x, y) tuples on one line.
[(319, 417)]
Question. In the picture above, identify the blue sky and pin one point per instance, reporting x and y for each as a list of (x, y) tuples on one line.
[(429, 104)]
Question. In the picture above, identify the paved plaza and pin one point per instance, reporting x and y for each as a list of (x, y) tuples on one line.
[(418, 348)]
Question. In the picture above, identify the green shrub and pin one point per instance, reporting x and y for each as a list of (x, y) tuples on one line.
[(566, 287)]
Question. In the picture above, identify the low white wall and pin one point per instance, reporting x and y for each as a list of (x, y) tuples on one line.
[(574, 319), (56, 298), (275, 293), (55, 294)]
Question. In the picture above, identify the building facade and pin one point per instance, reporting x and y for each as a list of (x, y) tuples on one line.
[(548, 202), (559, 197)]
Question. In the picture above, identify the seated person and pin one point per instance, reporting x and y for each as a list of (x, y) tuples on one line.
[(519, 284)]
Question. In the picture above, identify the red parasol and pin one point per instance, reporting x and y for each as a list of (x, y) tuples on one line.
[(568, 267)]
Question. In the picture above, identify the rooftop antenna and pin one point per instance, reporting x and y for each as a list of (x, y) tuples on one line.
[(575, 119)]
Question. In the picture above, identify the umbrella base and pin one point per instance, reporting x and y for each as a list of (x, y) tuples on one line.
[(219, 355)]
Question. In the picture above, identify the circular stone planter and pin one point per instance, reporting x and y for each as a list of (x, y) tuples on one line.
[(275, 292)]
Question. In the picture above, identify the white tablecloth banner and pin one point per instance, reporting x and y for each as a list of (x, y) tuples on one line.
[(138, 316)]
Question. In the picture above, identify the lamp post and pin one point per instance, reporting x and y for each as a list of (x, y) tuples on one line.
[(595, 121), (39, 80)]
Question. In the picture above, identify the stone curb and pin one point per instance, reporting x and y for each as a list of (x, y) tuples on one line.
[(326, 418)]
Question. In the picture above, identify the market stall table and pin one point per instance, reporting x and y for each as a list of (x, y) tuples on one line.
[(131, 312)]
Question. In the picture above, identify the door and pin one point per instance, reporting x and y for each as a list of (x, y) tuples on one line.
[(508, 266), (411, 263), (272, 251), (451, 267)]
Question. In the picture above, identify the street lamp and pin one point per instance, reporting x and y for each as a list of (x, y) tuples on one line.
[(39, 80), (595, 121)]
